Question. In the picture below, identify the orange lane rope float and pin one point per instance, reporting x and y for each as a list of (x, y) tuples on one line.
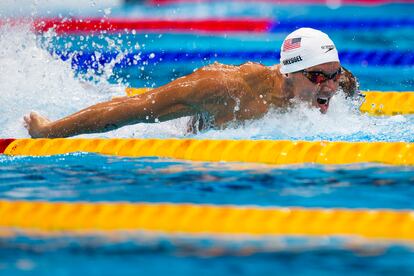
[(375, 102), (255, 151), (55, 217)]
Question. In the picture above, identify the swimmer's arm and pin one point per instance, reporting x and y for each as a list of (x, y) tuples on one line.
[(180, 98)]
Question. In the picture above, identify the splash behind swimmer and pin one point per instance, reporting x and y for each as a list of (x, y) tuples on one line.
[(309, 71)]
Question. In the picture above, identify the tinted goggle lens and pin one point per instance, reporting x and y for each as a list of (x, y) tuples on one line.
[(318, 77)]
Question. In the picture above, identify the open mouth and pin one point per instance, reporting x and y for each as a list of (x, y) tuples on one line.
[(323, 103), (322, 100)]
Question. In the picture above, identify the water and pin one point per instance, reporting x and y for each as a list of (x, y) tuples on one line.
[(89, 177), (96, 178), (33, 77)]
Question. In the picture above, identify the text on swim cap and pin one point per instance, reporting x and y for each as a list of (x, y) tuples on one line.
[(292, 60)]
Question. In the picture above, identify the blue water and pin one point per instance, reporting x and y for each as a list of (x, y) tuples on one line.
[(96, 178), (42, 82), (88, 177)]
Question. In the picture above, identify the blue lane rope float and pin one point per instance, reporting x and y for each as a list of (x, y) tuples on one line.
[(86, 60)]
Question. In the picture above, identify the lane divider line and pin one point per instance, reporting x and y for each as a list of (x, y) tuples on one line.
[(169, 218), (276, 152)]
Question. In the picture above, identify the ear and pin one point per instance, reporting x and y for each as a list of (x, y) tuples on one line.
[(349, 83)]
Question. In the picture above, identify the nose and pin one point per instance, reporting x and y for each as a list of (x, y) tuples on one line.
[(329, 86)]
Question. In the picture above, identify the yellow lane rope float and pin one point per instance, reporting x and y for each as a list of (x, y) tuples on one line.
[(375, 102), (256, 151), (388, 103), (55, 217)]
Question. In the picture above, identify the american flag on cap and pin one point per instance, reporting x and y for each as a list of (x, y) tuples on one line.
[(292, 43)]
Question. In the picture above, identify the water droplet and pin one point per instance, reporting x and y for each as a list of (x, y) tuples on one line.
[(107, 11)]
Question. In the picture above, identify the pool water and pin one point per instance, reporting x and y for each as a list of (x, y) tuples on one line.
[(96, 178), (33, 74)]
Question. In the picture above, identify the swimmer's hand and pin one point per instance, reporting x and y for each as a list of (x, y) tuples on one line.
[(36, 124)]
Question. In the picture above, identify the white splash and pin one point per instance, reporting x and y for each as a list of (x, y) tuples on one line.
[(31, 79), (48, 7), (343, 121)]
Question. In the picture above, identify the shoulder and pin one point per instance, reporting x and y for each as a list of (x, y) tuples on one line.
[(257, 71), (254, 67), (218, 67), (254, 73)]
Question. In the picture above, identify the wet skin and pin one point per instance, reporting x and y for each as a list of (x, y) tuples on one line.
[(226, 93)]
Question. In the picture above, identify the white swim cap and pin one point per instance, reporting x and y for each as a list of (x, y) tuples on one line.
[(305, 48)]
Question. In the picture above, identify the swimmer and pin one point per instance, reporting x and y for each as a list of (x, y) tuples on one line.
[(218, 94)]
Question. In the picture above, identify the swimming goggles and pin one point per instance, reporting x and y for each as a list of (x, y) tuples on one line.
[(319, 77)]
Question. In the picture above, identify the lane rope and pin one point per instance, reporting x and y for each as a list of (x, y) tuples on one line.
[(253, 151), (55, 217), (75, 25), (92, 60), (213, 25)]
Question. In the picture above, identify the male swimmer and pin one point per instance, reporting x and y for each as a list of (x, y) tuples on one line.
[(218, 94)]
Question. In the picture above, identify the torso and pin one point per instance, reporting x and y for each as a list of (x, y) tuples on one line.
[(252, 89)]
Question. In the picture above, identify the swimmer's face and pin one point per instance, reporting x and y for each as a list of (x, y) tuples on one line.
[(316, 94)]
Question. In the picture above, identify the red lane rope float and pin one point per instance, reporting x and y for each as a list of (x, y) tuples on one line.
[(4, 143), (58, 217), (212, 26), (97, 25), (326, 2)]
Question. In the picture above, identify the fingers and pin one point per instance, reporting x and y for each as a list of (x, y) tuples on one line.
[(33, 115), (26, 121), (29, 119)]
